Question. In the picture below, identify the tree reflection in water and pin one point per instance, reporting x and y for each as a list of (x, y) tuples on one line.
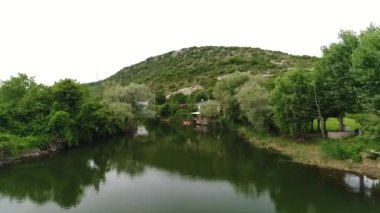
[(213, 156)]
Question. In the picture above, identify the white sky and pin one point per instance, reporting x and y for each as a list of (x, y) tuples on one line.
[(52, 39)]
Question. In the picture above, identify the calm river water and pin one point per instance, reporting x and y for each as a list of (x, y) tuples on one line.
[(176, 169)]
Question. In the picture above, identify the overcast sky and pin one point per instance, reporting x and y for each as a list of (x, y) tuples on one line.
[(52, 39)]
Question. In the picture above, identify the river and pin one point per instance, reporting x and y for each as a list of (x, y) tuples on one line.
[(165, 168)]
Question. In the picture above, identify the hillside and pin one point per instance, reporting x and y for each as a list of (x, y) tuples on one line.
[(202, 65)]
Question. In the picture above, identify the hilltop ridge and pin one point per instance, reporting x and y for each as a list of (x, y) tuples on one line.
[(203, 65)]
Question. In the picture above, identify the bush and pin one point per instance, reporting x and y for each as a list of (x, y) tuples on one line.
[(160, 98), (182, 113), (210, 109), (370, 123), (12, 145), (166, 110), (61, 127), (178, 98), (342, 151), (199, 96), (7, 149)]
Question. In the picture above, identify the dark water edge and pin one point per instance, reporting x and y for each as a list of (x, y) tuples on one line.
[(175, 169)]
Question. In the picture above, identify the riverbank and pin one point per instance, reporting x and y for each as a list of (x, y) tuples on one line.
[(29, 154), (303, 152), (310, 153)]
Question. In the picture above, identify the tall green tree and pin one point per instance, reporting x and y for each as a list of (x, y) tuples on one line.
[(132, 101), (34, 109), (292, 102), (254, 104), (334, 80), (366, 67), (225, 91), (35, 102), (23, 105), (68, 95), (15, 88), (138, 96), (210, 109)]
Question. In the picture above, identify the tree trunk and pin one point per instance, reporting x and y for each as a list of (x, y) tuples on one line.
[(341, 125), (319, 113), (322, 127)]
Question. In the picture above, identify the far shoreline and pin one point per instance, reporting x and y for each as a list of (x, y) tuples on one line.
[(310, 154)]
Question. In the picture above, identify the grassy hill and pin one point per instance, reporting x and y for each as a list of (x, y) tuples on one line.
[(202, 65)]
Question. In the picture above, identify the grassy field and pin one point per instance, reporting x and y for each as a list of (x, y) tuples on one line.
[(333, 125)]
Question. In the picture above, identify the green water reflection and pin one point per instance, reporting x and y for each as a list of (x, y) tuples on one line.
[(175, 169)]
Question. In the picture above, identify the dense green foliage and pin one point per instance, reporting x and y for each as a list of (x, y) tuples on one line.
[(345, 80), (342, 151), (225, 91), (210, 109), (202, 65), (253, 100), (366, 71), (334, 79), (353, 79), (45, 117), (292, 102), (366, 67), (137, 96)]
